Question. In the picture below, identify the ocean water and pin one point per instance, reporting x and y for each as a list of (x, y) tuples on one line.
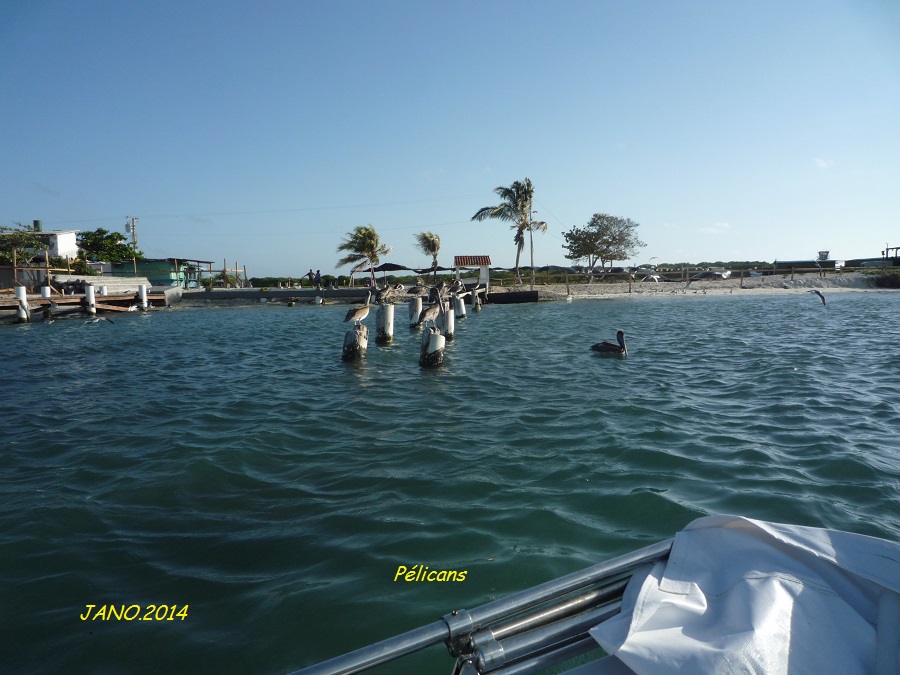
[(227, 461)]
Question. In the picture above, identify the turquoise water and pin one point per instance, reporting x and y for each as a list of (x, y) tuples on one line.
[(227, 460)]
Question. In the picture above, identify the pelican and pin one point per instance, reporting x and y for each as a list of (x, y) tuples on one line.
[(387, 293), (438, 292), (819, 293), (357, 314), (610, 348), (419, 289), (98, 319), (23, 305), (432, 352), (429, 314)]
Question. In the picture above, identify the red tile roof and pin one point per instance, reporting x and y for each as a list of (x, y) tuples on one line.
[(471, 260)]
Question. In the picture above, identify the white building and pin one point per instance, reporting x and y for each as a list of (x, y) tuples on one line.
[(60, 243)]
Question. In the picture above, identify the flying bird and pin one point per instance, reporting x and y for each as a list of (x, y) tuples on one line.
[(610, 348), (98, 319), (357, 314), (819, 293)]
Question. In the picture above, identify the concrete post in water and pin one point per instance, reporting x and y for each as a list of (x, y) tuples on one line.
[(356, 341), (432, 353), (142, 294), (447, 322), (384, 321), (102, 289), (90, 299), (23, 314), (45, 292), (459, 307), (415, 309)]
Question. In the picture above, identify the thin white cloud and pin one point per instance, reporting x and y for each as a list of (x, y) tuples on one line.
[(716, 229), (824, 163)]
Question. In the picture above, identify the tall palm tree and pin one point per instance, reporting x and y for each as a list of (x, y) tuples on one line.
[(516, 207), (363, 247), (429, 244)]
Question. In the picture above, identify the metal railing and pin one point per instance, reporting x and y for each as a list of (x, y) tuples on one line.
[(520, 633)]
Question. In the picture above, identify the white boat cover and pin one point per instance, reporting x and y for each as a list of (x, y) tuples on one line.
[(745, 596)]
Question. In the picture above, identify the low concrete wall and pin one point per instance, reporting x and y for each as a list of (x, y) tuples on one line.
[(348, 294), (114, 285)]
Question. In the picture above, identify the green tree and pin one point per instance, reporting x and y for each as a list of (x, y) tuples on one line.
[(604, 239), (516, 208), (19, 243), (429, 244), (364, 248), (107, 246)]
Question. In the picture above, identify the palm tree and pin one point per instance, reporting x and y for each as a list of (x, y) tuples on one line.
[(429, 244), (364, 248), (516, 207)]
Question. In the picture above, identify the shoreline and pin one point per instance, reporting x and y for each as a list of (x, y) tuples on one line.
[(852, 282)]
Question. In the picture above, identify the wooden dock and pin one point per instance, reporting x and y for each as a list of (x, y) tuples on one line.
[(74, 303)]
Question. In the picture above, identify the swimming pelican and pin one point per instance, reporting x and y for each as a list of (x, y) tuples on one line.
[(610, 348), (429, 314), (819, 293), (357, 314)]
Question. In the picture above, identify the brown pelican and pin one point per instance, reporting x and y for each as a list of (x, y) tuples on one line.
[(26, 309), (387, 293), (429, 314), (819, 293), (357, 314), (97, 319), (438, 292), (610, 348), (419, 289), (432, 352)]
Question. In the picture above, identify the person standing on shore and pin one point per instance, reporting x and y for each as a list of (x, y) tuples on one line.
[(310, 276), (318, 279)]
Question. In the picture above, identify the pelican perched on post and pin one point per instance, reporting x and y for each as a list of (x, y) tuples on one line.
[(611, 349), (387, 293), (24, 311), (357, 314), (430, 314), (432, 351), (419, 289)]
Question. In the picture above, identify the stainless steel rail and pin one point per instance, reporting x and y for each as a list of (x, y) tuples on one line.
[(456, 628)]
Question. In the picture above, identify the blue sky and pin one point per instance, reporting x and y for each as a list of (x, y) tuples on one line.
[(262, 132)]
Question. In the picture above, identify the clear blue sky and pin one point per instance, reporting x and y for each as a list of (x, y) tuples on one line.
[(262, 132)]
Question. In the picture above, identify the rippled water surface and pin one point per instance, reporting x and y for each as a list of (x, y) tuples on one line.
[(227, 460)]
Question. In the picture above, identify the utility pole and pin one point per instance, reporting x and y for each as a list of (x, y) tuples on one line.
[(131, 228)]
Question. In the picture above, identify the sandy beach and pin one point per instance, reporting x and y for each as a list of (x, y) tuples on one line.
[(774, 285)]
